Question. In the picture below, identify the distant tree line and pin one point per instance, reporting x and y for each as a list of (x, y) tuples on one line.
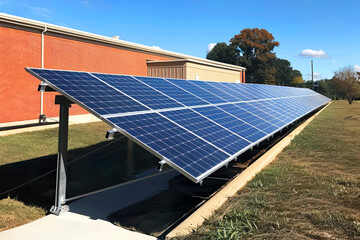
[(254, 50), (345, 84)]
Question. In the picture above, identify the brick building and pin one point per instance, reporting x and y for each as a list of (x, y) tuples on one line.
[(29, 43)]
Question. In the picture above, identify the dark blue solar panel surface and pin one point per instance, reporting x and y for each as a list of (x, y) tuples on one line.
[(277, 107), (232, 123), (211, 124), (211, 87), (237, 90), (134, 88), (183, 148), (270, 111), (208, 130), (249, 117), (173, 91), (89, 91), (201, 93), (253, 108)]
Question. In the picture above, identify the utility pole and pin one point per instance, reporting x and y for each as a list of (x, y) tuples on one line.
[(312, 74)]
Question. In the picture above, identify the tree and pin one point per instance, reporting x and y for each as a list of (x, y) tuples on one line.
[(348, 82), (297, 77), (223, 53), (255, 52), (298, 80), (283, 74)]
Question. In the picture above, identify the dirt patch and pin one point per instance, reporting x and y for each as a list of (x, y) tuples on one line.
[(352, 117)]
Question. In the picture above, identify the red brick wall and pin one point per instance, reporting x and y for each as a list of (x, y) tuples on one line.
[(243, 76), (19, 98)]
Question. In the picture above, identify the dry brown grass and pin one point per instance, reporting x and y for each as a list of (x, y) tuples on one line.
[(14, 213), (311, 192)]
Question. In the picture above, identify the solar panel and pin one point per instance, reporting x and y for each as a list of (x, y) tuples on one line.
[(194, 126)]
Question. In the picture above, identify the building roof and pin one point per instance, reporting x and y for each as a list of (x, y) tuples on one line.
[(206, 63), (7, 18)]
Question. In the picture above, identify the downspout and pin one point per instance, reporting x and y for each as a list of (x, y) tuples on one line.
[(42, 117)]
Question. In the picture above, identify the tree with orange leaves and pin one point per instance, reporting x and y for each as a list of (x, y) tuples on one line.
[(255, 50)]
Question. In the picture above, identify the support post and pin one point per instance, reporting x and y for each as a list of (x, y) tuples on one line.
[(60, 192), (130, 159)]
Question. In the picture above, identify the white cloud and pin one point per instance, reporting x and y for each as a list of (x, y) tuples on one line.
[(309, 53), (357, 68), (317, 76), (156, 47), (41, 11), (210, 47)]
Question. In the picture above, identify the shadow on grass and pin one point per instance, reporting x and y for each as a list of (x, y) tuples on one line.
[(159, 214), (103, 166)]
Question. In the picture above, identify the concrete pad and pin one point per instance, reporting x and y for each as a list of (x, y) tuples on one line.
[(87, 218), (70, 226), (102, 204)]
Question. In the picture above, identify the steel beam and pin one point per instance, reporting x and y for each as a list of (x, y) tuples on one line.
[(130, 159), (61, 178)]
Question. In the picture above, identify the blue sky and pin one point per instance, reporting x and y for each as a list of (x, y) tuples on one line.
[(325, 31)]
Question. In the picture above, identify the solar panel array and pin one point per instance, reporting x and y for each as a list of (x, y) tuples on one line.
[(194, 126)]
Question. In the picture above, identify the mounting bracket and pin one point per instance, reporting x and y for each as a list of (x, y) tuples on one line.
[(113, 133), (160, 165)]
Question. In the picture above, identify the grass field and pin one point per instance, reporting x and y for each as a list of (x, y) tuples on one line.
[(29, 145), (19, 148), (312, 191)]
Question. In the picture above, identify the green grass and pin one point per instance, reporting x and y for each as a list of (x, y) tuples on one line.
[(312, 191), (32, 145), (29, 145)]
